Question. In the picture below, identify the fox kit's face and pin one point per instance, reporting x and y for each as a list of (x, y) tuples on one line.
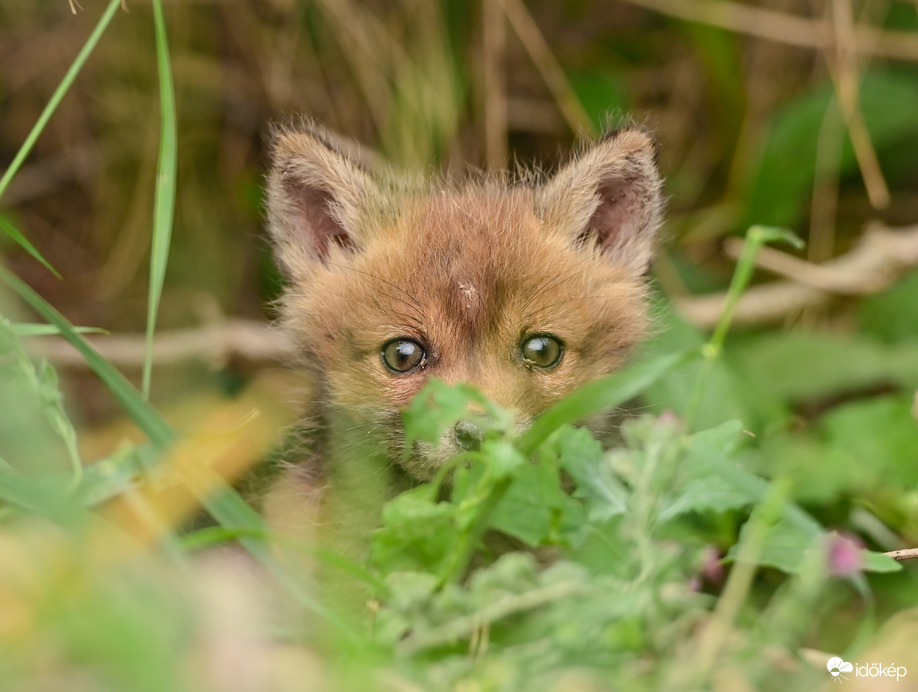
[(524, 292)]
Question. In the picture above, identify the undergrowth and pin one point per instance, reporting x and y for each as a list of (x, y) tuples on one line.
[(720, 546)]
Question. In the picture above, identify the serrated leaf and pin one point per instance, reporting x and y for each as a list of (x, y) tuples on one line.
[(581, 455), (418, 534), (704, 486), (536, 509)]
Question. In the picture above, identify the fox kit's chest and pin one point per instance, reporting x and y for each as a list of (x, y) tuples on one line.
[(524, 292)]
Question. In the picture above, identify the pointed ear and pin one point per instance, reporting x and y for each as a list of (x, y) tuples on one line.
[(610, 195), (317, 199)]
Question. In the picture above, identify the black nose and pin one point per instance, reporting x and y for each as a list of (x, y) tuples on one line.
[(467, 436)]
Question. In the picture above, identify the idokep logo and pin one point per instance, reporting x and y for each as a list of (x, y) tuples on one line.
[(837, 667)]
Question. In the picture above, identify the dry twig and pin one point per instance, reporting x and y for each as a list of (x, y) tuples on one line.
[(782, 27), (880, 258), (548, 66), (247, 339), (906, 554)]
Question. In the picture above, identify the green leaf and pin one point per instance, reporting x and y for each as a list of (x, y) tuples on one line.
[(24, 243), (21, 329), (582, 457), (784, 546), (893, 314), (36, 497), (536, 509), (879, 562), (801, 365), (794, 530), (212, 536), (439, 406), (107, 478), (418, 534)]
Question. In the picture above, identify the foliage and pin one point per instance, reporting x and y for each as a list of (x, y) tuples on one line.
[(733, 540)]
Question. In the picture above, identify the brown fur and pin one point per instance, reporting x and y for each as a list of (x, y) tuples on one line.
[(467, 270)]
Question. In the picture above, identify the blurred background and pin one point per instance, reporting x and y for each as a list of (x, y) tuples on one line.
[(800, 114), (794, 113)]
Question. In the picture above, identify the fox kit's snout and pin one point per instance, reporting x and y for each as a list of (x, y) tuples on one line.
[(525, 290)]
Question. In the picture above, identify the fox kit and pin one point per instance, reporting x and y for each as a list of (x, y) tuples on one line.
[(524, 289)]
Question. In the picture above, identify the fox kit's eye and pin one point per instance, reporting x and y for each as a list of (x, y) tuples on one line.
[(402, 355), (541, 351)]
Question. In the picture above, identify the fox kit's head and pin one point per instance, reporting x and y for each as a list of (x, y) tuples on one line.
[(525, 291)]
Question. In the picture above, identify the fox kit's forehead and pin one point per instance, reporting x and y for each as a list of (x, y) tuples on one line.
[(470, 272), (462, 250)]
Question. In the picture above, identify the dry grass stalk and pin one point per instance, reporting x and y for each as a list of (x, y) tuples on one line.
[(548, 66), (782, 27)]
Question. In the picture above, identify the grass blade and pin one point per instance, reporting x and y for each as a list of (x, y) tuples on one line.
[(222, 502), (24, 243), (745, 266), (164, 206), (145, 416), (602, 395), (58, 94)]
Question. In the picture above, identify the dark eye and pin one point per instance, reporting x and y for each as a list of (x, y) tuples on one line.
[(541, 351), (402, 355)]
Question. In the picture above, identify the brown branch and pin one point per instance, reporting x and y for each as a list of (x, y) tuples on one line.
[(880, 258), (781, 27), (216, 343)]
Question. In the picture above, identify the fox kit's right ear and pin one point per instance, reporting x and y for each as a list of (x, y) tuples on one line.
[(610, 195), (317, 199)]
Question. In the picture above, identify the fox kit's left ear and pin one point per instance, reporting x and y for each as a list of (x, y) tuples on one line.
[(612, 195)]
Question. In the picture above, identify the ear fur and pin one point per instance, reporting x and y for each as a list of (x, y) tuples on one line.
[(318, 198), (612, 194)]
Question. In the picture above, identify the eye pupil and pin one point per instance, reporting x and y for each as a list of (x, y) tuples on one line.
[(402, 355), (542, 351)]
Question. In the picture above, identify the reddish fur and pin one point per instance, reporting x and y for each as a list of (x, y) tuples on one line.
[(468, 271)]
